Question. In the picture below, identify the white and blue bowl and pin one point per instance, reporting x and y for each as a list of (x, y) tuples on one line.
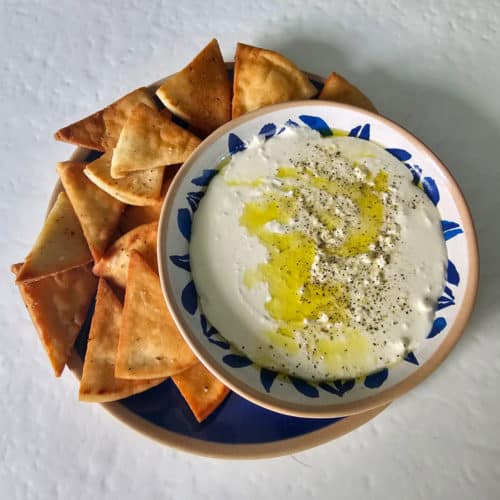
[(291, 395)]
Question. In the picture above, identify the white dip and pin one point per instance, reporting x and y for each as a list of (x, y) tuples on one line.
[(318, 257)]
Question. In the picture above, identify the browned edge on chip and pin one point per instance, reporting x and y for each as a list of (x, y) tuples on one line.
[(208, 448), (303, 410)]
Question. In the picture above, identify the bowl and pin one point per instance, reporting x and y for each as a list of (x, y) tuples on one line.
[(290, 395)]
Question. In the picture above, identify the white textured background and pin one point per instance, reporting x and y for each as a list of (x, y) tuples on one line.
[(432, 66)]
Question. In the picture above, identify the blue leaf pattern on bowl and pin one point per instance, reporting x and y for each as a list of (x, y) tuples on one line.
[(448, 224), (400, 154), (236, 361), (355, 131), (317, 123), (235, 144), (207, 329), (452, 275), (304, 387), (210, 331), (205, 177), (267, 378), (268, 130), (189, 298), (411, 358), (376, 379), (181, 261), (431, 189), (194, 198), (447, 299), (338, 387), (450, 229), (416, 173), (184, 222), (361, 132), (437, 327), (220, 343), (365, 132), (288, 123)]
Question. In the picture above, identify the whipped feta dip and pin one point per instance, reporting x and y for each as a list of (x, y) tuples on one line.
[(317, 256)]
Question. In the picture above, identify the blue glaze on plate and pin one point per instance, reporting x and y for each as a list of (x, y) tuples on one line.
[(236, 421)]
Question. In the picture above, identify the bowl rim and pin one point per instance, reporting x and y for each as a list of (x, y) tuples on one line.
[(367, 403)]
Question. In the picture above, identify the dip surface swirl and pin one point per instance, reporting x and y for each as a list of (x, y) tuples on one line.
[(317, 257)]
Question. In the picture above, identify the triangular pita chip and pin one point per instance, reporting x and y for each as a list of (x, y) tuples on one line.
[(264, 77), (60, 245), (98, 383), (150, 345), (115, 262), (201, 390), (97, 211), (200, 93), (138, 188), (149, 140), (58, 306), (338, 89), (136, 216), (100, 131)]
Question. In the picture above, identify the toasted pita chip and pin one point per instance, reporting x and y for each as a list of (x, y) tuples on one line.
[(97, 211), (264, 77), (136, 216), (138, 188), (200, 93), (338, 89), (201, 390), (60, 245), (98, 383), (133, 217), (58, 306), (100, 131), (115, 262), (150, 140), (150, 345)]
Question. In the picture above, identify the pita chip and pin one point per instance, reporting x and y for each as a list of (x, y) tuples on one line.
[(115, 262), (136, 216), (201, 390), (150, 345), (98, 383), (138, 188), (264, 77), (58, 306), (149, 140), (60, 245), (97, 211), (101, 130), (200, 93), (338, 89)]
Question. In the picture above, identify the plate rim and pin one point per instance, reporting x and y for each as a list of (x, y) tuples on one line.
[(201, 447)]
